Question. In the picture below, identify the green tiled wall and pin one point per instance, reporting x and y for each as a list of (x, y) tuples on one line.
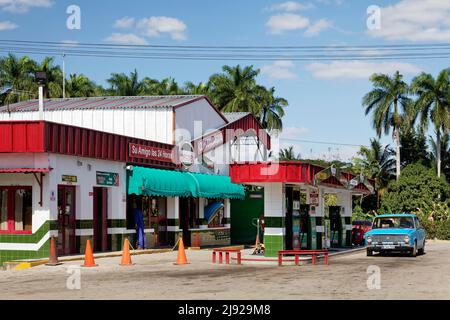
[(272, 244)]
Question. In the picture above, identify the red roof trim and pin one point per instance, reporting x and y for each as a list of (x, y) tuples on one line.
[(24, 170)]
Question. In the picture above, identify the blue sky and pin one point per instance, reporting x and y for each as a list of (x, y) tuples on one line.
[(324, 97)]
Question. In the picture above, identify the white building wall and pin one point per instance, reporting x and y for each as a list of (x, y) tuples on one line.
[(28, 160), (154, 124), (86, 181), (199, 110)]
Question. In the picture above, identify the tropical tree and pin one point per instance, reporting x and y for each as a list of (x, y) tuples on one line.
[(433, 105), (376, 162), (288, 154), (414, 147), (272, 109), (234, 90), (197, 89), (390, 107), (78, 85), (123, 85), (18, 73), (53, 87), (445, 153)]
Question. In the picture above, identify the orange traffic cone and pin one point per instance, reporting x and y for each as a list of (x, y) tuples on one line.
[(126, 258), (181, 259), (89, 256), (53, 260)]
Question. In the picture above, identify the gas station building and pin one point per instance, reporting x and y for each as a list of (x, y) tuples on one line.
[(295, 215)]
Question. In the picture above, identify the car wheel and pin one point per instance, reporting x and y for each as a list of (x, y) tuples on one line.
[(413, 252), (422, 250), (369, 253)]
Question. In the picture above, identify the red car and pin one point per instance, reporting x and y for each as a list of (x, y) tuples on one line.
[(360, 227)]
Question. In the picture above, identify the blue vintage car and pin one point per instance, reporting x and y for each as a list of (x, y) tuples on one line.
[(396, 232)]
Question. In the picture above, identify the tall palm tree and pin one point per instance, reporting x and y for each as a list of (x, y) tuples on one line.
[(78, 85), (272, 109), (444, 154), (123, 85), (234, 90), (433, 105), (19, 74), (288, 154), (390, 107), (376, 162)]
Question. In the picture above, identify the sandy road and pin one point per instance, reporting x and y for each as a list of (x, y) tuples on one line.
[(156, 277)]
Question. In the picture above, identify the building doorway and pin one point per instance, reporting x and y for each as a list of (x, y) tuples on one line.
[(188, 217), (100, 220), (66, 220)]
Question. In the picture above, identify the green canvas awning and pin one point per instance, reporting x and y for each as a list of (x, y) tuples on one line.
[(166, 183), (215, 186), (157, 182)]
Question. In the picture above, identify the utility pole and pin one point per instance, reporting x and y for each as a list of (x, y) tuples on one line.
[(64, 74)]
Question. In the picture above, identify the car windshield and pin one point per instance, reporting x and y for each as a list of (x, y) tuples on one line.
[(393, 222)]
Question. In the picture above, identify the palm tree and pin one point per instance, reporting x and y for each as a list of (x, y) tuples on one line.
[(288, 154), (272, 109), (234, 90), (444, 155), (123, 85), (376, 162), (198, 89), (169, 86), (19, 74), (391, 107), (433, 105), (78, 85), (53, 88)]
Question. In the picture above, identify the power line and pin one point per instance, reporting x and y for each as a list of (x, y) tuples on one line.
[(257, 53), (325, 142)]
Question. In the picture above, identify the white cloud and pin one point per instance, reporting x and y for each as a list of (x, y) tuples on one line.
[(317, 27), (124, 23), (293, 132), (291, 6), (280, 23), (283, 22), (280, 69), (7, 25), (358, 69), (415, 20), (126, 38), (23, 6), (155, 26)]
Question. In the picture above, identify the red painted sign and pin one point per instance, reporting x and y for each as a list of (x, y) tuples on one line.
[(147, 152)]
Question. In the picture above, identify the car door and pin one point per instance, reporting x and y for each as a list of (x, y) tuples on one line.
[(420, 232)]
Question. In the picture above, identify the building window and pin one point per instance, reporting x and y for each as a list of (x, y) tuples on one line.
[(16, 209)]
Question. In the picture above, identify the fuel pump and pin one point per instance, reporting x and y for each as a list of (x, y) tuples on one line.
[(335, 226), (305, 227)]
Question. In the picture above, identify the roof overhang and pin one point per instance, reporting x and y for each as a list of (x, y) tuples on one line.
[(294, 172)]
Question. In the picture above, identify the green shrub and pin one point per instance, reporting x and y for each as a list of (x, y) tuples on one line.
[(417, 187), (435, 219)]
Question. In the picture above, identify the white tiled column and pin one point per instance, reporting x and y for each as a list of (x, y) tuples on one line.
[(274, 216), (227, 212), (173, 217)]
